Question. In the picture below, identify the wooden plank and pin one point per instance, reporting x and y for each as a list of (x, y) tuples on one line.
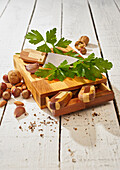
[(3, 6), (109, 32), (27, 150), (87, 142), (9, 29)]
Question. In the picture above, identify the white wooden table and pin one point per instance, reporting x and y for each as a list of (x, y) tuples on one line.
[(96, 142)]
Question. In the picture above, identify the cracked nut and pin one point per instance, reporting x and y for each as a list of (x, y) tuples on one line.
[(6, 95), (20, 110), (3, 86), (26, 94), (16, 92), (2, 103), (14, 76)]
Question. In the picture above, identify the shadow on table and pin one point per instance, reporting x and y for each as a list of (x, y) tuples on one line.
[(83, 126)]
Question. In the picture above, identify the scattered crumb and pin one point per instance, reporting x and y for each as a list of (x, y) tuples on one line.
[(88, 123), (108, 128), (69, 150), (24, 122), (42, 135), (66, 119), (73, 160), (95, 145), (75, 128), (20, 128), (95, 114), (106, 120), (34, 114)]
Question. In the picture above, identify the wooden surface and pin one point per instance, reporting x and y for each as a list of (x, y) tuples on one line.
[(76, 141)]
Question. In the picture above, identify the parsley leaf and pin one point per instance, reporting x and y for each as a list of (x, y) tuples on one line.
[(63, 43), (44, 48), (34, 37), (51, 36)]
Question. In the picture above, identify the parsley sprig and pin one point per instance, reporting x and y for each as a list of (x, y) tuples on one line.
[(90, 67), (35, 37)]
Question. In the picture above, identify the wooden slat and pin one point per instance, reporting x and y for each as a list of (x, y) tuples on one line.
[(109, 34), (87, 142), (27, 150), (9, 30), (3, 6)]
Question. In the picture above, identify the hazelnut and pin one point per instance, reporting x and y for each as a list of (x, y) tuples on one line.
[(14, 76), (13, 87), (20, 110), (26, 94), (3, 86), (83, 51), (6, 95), (16, 92), (5, 78), (1, 92), (9, 85)]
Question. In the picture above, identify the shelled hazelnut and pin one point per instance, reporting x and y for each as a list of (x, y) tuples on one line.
[(3, 86), (6, 95), (26, 94), (16, 92)]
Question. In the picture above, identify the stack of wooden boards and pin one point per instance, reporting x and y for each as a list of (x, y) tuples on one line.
[(42, 89)]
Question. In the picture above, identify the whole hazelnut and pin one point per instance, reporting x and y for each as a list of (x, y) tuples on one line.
[(26, 94), (83, 51), (16, 92), (1, 92), (6, 95), (3, 86), (14, 76), (5, 78)]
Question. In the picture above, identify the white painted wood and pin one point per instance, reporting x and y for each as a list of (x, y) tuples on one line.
[(108, 29), (95, 143), (27, 150), (12, 23), (3, 5)]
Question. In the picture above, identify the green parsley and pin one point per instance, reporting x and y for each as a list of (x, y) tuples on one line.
[(90, 67), (35, 37)]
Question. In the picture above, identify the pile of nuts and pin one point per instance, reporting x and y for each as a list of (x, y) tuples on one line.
[(13, 85), (81, 44)]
